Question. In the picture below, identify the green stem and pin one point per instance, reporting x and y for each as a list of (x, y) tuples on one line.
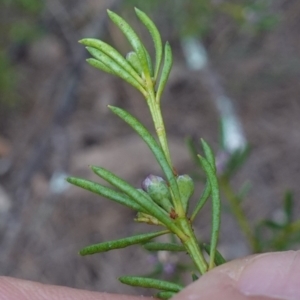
[(239, 213), (159, 127), (154, 106), (191, 244)]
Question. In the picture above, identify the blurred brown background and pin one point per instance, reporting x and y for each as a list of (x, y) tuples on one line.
[(54, 122)]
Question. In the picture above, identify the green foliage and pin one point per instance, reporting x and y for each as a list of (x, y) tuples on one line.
[(121, 243), (162, 202), (219, 259), (106, 192), (151, 283), (210, 172), (165, 295), (267, 234)]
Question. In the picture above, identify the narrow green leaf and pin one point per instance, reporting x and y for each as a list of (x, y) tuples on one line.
[(145, 194), (151, 207), (101, 66), (219, 259), (121, 243), (165, 295), (156, 39), (152, 144), (202, 200), (132, 38), (209, 155), (164, 203), (116, 69), (113, 54), (168, 61), (149, 63), (154, 246), (151, 283), (105, 192), (133, 59), (216, 207)]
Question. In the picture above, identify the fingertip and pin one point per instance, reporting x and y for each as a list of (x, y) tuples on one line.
[(18, 289), (263, 276), (274, 275)]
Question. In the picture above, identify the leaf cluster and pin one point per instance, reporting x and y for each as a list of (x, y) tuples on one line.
[(163, 202), (136, 68)]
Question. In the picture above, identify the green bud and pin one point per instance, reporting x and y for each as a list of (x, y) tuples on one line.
[(186, 188), (157, 189), (133, 59)]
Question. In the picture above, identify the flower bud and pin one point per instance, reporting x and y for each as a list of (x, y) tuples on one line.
[(186, 189), (157, 189)]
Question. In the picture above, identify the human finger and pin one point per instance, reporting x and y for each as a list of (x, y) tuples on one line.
[(12, 289), (258, 277)]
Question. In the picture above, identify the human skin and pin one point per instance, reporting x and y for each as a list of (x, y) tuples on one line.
[(258, 277)]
